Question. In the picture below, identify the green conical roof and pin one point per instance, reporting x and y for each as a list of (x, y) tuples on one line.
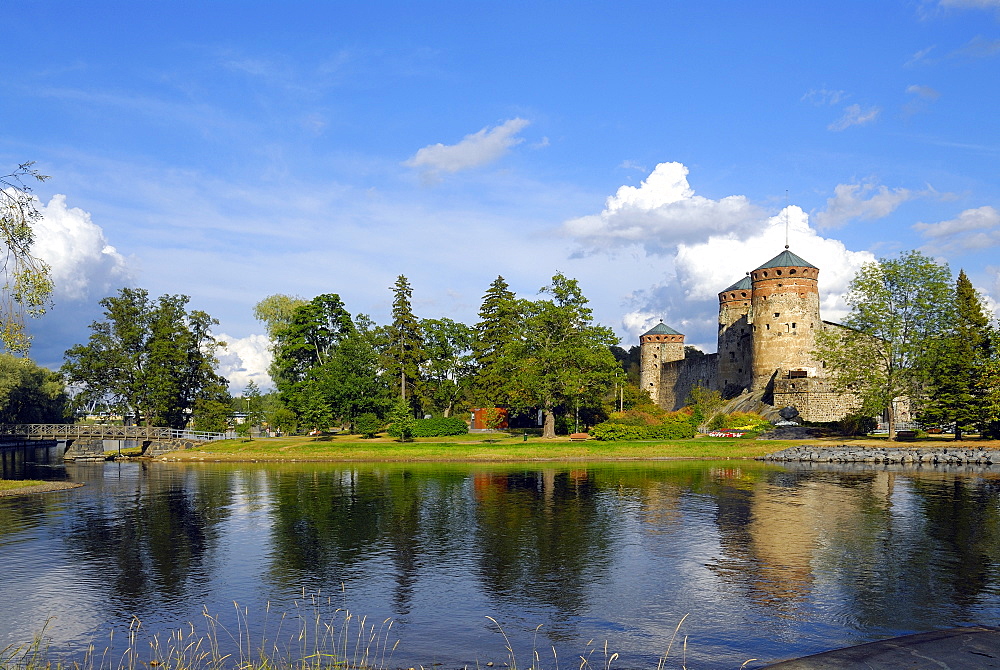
[(786, 259), (661, 329), (742, 285)]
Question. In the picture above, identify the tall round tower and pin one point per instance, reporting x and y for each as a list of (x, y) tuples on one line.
[(659, 345), (735, 362), (785, 318)]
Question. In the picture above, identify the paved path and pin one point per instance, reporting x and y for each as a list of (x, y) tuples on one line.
[(953, 649)]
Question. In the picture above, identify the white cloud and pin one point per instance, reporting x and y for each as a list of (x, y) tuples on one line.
[(863, 201), (244, 359), (477, 149), (980, 47), (854, 115), (660, 213), (822, 96), (701, 247), (925, 92), (974, 4), (84, 265), (972, 229)]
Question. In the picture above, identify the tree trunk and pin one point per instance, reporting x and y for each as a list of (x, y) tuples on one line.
[(892, 420)]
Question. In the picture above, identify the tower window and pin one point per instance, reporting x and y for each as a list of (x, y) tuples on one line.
[(792, 271), (767, 326), (793, 324), (777, 314), (778, 272)]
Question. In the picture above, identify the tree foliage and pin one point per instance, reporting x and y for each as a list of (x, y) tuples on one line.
[(151, 360), (958, 389), (900, 308), (27, 279), (561, 360), (448, 366), (322, 356), (499, 327), (403, 344), (276, 311), (30, 393)]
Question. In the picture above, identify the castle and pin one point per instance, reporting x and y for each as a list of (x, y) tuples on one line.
[(767, 333)]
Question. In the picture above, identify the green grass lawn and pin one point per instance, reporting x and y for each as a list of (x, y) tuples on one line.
[(472, 447), (8, 484)]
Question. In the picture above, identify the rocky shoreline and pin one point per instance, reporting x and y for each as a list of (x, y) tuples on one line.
[(41, 488), (900, 455)]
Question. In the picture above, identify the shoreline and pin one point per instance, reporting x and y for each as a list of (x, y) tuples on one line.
[(45, 487)]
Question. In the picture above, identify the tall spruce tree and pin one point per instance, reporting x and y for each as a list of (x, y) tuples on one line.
[(958, 374), (404, 349), (500, 321)]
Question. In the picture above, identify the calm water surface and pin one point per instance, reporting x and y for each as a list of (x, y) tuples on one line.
[(751, 560)]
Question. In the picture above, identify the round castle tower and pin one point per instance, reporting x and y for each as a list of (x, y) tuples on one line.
[(660, 344), (735, 351), (784, 313)]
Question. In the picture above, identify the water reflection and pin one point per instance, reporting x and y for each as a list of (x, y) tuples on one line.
[(766, 561)]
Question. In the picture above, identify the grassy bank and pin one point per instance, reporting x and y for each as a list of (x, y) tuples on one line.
[(476, 447), (11, 484)]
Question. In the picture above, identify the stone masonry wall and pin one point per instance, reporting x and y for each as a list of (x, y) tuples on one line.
[(814, 398), (678, 378)]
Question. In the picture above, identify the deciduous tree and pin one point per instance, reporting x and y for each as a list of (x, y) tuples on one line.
[(27, 284), (150, 360), (900, 307), (562, 359), (446, 372)]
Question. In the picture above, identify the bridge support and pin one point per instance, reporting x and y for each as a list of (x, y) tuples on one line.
[(84, 449)]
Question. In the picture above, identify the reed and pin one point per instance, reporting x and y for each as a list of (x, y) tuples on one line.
[(302, 639)]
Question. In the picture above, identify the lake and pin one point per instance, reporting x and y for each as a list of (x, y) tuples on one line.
[(732, 560)]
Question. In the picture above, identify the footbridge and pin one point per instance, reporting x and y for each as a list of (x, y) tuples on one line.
[(86, 441)]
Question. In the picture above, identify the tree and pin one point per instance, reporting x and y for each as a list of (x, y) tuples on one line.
[(401, 420), (314, 410), (27, 279), (958, 374), (277, 311), (30, 393), (403, 344), (899, 309), (446, 372), (254, 410), (500, 322), (562, 360), (153, 361)]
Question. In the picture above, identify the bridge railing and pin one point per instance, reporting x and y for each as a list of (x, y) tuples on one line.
[(106, 431)]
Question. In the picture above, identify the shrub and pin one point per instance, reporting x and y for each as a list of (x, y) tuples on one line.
[(368, 424), (674, 426), (438, 427)]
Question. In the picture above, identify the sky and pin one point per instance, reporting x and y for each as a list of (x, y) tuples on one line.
[(654, 151)]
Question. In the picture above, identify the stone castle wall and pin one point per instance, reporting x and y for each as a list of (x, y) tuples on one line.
[(815, 399), (678, 378)]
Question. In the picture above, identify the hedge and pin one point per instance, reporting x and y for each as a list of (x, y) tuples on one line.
[(673, 428), (437, 427)]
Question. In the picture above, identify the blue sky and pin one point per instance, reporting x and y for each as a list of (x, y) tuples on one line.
[(656, 151)]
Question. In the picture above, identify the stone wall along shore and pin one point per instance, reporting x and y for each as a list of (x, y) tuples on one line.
[(903, 455)]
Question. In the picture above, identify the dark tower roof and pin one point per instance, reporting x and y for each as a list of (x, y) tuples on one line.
[(786, 259), (742, 285), (661, 329)]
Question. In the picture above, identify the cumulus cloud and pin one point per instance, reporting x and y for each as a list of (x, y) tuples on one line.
[(660, 213), (688, 300), (244, 359), (855, 115), (972, 229), (863, 201), (703, 246), (477, 149), (84, 265)]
